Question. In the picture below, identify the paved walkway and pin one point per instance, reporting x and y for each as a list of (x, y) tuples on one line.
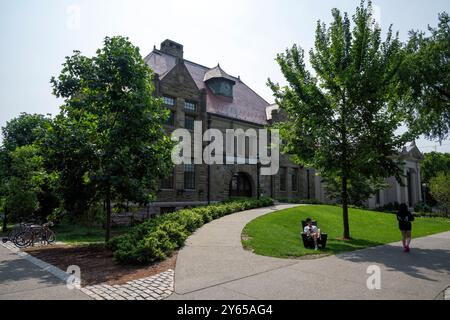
[(213, 265), (157, 287), (22, 280), (23, 276)]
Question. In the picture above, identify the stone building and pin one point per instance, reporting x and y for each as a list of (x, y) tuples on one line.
[(410, 192), (193, 92)]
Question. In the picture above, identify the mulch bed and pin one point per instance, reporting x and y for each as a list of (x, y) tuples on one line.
[(97, 264)]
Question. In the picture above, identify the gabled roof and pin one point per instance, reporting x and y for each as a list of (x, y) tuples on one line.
[(246, 104), (217, 73), (411, 151)]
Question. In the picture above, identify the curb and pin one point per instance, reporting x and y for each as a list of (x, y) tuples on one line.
[(156, 287), (60, 274)]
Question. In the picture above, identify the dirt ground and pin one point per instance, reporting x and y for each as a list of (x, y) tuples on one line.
[(97, 264)]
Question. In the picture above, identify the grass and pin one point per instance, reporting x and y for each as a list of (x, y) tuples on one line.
[(78, 234), (278, 234)]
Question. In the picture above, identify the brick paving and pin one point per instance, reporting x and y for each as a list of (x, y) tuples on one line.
[(156, 287)]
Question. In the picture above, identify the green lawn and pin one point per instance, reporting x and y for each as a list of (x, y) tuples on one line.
[(278, 234), (81, 234)]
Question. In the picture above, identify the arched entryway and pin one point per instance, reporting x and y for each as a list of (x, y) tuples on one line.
[(240, 185)]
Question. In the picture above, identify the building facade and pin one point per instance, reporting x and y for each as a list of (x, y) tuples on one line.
[(409, 191), (193, 92)]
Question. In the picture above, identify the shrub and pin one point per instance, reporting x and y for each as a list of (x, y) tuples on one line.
[(440, 190), (431, 214), (390, 207), (156, 239), (190, 219), (422, 207), (175, 231), (300, 201)]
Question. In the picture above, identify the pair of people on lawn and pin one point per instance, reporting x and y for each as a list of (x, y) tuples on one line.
[(404, 218)]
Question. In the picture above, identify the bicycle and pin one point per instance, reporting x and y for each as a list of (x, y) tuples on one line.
[(16, 230), (27, 234), (43, 233)]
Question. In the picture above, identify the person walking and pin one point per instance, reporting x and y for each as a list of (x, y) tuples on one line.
[(405, 218)]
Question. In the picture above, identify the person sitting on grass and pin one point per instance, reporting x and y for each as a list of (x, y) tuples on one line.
[(312, 232)]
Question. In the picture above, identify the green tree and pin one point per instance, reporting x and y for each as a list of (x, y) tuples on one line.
[(27, 178), (359, 188), (339, 121), (425, 80), (25, 130), (70, 156), (112, 123), (4, 174), (434, 163), (440, 190)]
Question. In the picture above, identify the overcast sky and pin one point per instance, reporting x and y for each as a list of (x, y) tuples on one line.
[(244, 36)]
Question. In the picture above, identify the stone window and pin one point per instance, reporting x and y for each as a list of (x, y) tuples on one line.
[(283, 181), (167, 182), (190, 106), (189, 122), (189, 176), (169, 101), (294, 179)]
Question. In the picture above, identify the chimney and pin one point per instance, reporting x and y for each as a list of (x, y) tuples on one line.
[(173, 48)]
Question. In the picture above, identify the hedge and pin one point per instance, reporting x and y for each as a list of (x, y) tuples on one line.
[(299, 201), (156, 239)]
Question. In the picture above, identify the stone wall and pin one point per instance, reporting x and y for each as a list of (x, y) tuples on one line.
[(179, 85)]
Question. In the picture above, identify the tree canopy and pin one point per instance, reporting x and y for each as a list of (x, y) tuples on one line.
[(24, 188), (108, 140), (339, 119), (434, 163), (440, 190), (24, 130), (424, 85)]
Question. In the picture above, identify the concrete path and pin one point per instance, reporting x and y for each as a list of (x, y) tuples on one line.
[(213, 265), (22, 280)]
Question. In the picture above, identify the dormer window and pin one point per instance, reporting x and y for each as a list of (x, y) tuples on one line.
[(220, 82)]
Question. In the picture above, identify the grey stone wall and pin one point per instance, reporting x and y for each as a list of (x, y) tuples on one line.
[(179, 85)]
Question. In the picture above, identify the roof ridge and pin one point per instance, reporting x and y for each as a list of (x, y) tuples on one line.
[(238, 79), (194, 63), (197, 64)]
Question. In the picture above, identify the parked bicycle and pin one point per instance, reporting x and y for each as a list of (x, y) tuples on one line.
[(27, 234)]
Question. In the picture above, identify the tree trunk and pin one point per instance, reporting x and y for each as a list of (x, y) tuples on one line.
[(345, 208), (108, 220)]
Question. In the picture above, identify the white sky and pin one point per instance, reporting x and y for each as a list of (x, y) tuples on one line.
[(244, 36)]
